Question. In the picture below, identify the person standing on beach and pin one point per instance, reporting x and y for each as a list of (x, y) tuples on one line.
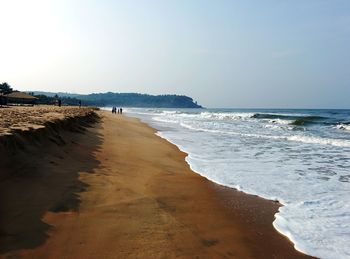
[(121, 110)]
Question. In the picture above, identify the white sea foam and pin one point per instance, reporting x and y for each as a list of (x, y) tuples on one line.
[(321, 141), (226, 115), (307, 170), (297, 138), (280, 121), (345, 127)]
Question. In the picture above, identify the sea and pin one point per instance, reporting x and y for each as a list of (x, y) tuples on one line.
[(300, 158)]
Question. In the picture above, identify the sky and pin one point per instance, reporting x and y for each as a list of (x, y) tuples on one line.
[(240, 54)]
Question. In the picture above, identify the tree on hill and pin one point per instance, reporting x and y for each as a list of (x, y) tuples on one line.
[(5, 88), (121, 99), (139, 100)]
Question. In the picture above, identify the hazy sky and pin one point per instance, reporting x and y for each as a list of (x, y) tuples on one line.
[(231, 53)]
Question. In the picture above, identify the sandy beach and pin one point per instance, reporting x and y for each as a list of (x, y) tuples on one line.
[(108, 187)]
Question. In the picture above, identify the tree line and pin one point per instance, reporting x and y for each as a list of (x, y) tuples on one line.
[(111, 99), (139, 100), (5, 88)]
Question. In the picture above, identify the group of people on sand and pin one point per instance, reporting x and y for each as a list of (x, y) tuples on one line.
[(115, 110)]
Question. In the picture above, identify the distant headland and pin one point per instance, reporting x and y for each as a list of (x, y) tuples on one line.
[(123, 99), (7, 93)]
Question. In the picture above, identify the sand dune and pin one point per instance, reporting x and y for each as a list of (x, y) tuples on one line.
[(23, 118)]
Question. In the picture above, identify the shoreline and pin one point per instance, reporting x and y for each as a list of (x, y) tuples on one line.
[(276, 204), (228, 193), (260, 156), (132, 194)]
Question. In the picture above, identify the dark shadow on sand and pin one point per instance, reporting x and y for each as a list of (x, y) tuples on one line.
[(39, 172)]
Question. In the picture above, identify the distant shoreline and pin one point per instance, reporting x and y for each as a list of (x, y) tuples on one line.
[(125, 99)]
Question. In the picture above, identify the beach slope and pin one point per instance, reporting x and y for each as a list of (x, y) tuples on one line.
[(117, 190)]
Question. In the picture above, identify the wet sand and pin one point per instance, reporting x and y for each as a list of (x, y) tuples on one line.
[(117, 190)]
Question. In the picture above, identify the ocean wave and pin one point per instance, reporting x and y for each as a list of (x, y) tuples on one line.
[(160, 119), (280, 121), (276, 121), (194, 128), (222, 145), (170, 112), (296, 120), (320, 141), (343, 126), (283, 119), (274, 116), (308, 120), (295, 138), (225, 115)]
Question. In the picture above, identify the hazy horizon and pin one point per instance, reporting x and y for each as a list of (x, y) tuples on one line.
[(251, 54)]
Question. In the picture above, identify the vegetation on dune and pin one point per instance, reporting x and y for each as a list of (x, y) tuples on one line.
[(44, 99)]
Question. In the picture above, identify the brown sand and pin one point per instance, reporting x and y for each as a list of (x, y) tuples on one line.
[(119, 191), (25, 118)]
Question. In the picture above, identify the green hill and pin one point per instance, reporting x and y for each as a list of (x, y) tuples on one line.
[(128, 99)]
